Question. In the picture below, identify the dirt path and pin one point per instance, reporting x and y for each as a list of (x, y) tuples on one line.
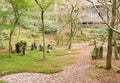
[(71, 74)]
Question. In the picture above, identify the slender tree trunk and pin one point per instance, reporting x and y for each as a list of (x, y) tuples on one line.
[(10, 44), (115, 42), (71, 30), (10, 39), (110, 37), (18, 34), (116, 50), (70, 40), (43, 33), (56, 11)]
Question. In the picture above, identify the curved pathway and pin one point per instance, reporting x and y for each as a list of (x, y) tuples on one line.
[(72, 74)]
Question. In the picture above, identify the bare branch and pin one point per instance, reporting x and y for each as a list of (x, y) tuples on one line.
[(48, 5), (104, 4), (116, 31), (38, 4)]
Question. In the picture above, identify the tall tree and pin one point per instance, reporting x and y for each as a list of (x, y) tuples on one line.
[(43, 4), (111, 27), (110, 36), (114, 34), (17, 7), (74, 12)]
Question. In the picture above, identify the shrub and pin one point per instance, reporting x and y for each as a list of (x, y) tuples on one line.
[(68, 32), (51, 29), (19, 46), (100, 34)]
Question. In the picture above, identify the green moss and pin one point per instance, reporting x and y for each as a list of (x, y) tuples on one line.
[(32, 62), (100, 65), (2, 81), (94, 54)]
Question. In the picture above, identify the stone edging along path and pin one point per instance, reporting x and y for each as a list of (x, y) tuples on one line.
[(71, 74)]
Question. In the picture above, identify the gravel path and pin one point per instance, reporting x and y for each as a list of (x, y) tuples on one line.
[(71, 74)]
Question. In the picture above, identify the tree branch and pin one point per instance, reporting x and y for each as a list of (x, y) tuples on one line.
[(109, 26), (105, 5), (39, 4), (48, 5)]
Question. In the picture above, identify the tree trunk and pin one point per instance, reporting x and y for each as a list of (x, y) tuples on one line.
[(110, 37), (70, 40), (109, 51), (10, 44), (56, 11), (19, 34), (116, 49), (43, 33), (71, 30)]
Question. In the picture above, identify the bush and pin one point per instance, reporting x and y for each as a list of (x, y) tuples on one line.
[(68, 32), (52, 29), (100, 34), (19, 46)]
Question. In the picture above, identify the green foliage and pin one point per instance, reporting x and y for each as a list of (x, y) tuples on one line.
[(84, 37), (2, 81), (68, 32), (99, 34), (52, 29), (12, 14), (102, 31), (20, 4), (5, 17), (21, 42), (67, 18), (18, 7), (29, 19), (32, 62)]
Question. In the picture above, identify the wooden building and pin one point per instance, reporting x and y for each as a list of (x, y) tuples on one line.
[(89, 15)]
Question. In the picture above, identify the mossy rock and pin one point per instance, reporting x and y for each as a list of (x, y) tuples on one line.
[(93, 54), (97, 52), (100, 65)]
